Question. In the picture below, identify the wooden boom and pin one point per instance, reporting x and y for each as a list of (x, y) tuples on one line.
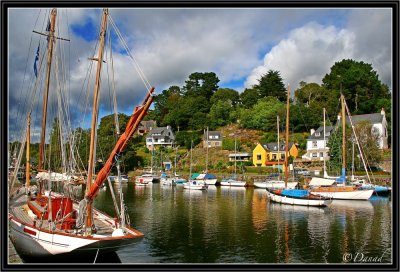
[(137, 116)]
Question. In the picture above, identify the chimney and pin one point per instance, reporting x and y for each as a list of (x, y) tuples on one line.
[(168, 127), (382, 111), (312, 131)]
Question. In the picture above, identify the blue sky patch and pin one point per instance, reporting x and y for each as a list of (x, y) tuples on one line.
[(88, 31)]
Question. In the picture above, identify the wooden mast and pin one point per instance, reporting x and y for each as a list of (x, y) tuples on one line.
[(343, 138), (28, 165), (88, 224), (46, 92), (279, 153), (287, 138)]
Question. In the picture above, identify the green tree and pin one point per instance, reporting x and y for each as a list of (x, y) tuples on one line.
[(164, 102), (368, 141), (220, 113), (54, 150), (311, 94), (189, 113), (271, 84), (82, 142), (107, 138), (185, 138), (201, 84), (225, 94), (359, 83), (303, 118), (263, 115), (249, 98)]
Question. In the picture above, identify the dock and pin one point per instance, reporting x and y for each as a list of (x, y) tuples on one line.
[(13, 257)]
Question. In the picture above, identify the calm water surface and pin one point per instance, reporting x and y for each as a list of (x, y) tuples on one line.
[(240, 225)]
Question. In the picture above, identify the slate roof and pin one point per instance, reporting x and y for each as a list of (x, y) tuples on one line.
[(320, 130), (161, 132), (373, 118), (274, 146), (147, 124)]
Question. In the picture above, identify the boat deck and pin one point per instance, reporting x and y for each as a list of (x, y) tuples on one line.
[(20, 210)]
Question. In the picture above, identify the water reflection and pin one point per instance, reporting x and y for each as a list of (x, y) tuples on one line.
[(241, 225)]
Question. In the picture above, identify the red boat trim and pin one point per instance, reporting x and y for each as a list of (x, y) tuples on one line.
[(29, 231)]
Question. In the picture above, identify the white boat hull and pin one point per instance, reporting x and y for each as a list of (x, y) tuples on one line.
[(210, 181), (275, 185), (195, 185), (236, 183), (346, 195), (298, 201), (168, 181), (143, 181), (116, 180), (32, 241)]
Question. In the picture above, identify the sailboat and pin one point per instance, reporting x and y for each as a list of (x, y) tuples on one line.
[(172, 180), (234, 180), (294, 196), (193, 184), (49, 224), (118, 178), (208, 178), (148, 176), (272, 183), (337, 188)]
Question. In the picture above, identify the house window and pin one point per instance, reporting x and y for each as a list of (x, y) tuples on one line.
[(314, 154), (314, 144), (259, 158), (317, 134), (216, 143), (149, 140), (321, 154), (274, 156)]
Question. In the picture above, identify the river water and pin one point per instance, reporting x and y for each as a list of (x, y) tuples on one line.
[(240, 225)]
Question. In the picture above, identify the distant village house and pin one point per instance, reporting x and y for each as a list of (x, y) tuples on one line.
[(214, 139), (146, 126), (270, 155), (317, 148), (160, 136), (379, 126), (240, 157)]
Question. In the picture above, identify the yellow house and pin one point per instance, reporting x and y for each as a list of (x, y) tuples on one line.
[(268, 154)]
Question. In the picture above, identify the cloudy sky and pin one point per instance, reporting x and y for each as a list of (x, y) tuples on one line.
[(239, 45)]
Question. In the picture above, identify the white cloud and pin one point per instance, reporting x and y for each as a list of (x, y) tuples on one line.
[(308, 52)]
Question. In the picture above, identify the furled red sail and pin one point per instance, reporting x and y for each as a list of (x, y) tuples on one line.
[(131, 127)]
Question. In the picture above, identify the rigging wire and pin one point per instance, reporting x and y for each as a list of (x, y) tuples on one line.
[(136, 64)]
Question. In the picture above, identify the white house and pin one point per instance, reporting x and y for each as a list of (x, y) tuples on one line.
[(379, 126), (161, 136), (317, 144)]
